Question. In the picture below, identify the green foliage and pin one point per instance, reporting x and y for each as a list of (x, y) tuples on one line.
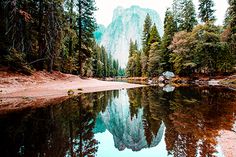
[(231, 27), (177, 8), (85, 27), (183, 54), (188, 16), (154, 36), (103, 65), (146, 33), (185, 48), (154, 60), (154, 57), (16, 60), (200, 51), (134, 66), (170, 27), (145, 43), (206, 11), (53, 35)]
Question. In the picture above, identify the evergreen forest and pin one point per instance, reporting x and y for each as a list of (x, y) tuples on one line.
[(192, 44), (53, 35)]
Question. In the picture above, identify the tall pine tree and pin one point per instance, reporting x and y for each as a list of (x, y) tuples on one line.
[(86, 26), (170, 27), (154, 52), (177, 7), (146, 35), (206, 11), (188, 16)]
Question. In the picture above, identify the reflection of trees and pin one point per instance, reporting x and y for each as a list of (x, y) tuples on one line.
[(197, 115), (134, 101), (80, 126), (145, 97), (61, 130), (193, 116)]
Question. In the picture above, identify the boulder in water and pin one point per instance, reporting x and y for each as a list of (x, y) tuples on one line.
[(168, 75)]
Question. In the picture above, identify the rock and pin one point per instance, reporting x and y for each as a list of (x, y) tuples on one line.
[(168, 88), (213, 82), (150, 81), (161, 79), (161, 85), (168, 74)]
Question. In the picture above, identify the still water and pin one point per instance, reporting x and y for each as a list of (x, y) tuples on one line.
[(126, 123)]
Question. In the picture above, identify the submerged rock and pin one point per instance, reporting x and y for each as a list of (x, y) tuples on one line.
[(169, 88), (161, 78)]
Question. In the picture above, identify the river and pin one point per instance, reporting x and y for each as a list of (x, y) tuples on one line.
[(139, 122)]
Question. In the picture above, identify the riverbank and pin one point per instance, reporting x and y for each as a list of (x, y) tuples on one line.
[(56, 84), (19, 91), (201, 80)]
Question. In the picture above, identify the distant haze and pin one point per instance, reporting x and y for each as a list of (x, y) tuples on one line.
[(106, 7)]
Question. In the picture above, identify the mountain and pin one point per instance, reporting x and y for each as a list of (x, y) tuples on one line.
[(126, 24), (98, 34)]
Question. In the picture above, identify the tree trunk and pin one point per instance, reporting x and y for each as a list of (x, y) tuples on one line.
[(71, 24), (40, 33), (80, 37)]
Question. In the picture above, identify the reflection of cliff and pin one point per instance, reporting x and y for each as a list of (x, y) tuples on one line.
[(128, 132)]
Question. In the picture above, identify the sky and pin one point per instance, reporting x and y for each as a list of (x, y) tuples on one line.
[(106, 7)]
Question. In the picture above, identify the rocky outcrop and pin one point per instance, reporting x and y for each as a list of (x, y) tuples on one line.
[(126, 24)]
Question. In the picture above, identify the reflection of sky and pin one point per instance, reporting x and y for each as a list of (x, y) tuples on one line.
[(106, 148)]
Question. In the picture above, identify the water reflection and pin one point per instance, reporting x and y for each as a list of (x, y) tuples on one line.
[(188, 120)]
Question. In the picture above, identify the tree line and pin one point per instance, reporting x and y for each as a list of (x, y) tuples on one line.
[(52, 35), (186, 47)]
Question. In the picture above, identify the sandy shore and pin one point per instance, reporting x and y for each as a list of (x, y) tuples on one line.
[(41, 89), (49, 87), (227, 141)]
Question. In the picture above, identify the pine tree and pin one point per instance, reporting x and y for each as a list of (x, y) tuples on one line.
[(154, 60), (146, 35), (86, 26), (170, 28), (177, 7), (138, 69), (154, 53), (131, 48), (154, 35), (133, 68), (232, 27), (206, 11), (109, 65), (104, 61), (188, 16)]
